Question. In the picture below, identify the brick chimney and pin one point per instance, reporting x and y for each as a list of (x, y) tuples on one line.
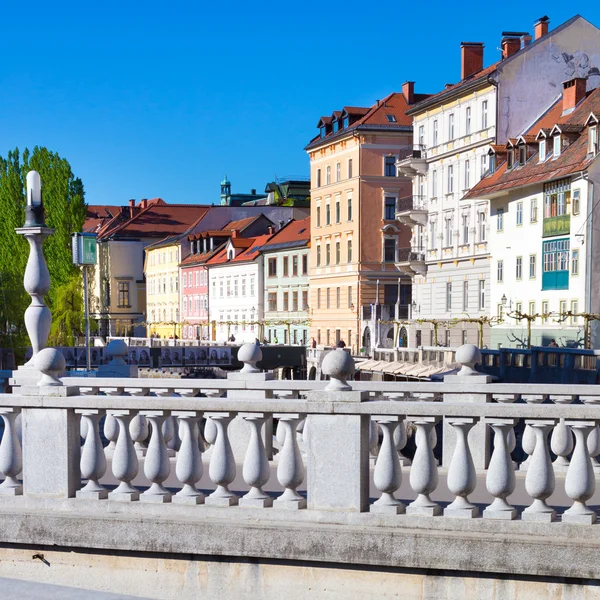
[(408, 91), (540, 27), (144, 202), (270, 230), (573, 93), (471, 58), (510, 45), (234, 233), (132, 203)]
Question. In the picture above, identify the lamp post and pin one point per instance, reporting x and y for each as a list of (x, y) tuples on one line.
[(37, 278)]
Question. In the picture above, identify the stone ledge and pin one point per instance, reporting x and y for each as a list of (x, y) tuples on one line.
[(490, 551)]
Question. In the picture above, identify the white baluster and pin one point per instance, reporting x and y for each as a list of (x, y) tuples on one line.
[(221, 468), (400, 441), (423, 473), (188, 467), (124, 460), (539, 481), (93, 460), (138, 428), (11, 458), (373, 440), (580, 483), (461, 473), (500, 478), (290, 470), (111, 427), (388, 472), (256, 469), (156, 465), (528, 445), (593, 444), (561, 443)]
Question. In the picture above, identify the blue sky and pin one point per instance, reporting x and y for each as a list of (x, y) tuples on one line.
[(162, 99)]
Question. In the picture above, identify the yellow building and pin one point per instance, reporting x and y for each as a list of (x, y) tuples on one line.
[(355, 237), (162, 288)]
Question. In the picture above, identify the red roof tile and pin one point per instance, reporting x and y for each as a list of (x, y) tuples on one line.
[(248, 254), (291, 232)]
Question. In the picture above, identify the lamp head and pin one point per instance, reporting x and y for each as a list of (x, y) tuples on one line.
[(34, 210)]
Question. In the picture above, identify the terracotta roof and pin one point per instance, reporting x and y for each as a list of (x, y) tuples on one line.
[(248, 254), (294, 231), (376, 116), (573, 158), (98, 216), (161, 220)]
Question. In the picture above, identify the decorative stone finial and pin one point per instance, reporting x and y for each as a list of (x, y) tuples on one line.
[(52, 364), (338, 364), (468, 355), (250, 354), (117, 351)]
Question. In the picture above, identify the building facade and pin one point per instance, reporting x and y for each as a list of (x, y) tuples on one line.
[(355, 236), (286, 285)]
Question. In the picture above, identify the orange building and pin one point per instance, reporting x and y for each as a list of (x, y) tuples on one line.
[(355, 286)]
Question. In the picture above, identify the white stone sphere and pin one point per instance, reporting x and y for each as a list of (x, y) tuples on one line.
[(117, 349), (468, 355), (249, 353), (50, 360), (338, 364)]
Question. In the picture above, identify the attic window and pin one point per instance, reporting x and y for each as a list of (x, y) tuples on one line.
[(336, 126), (542, 150), (593, 140), (346, 122), (391, 118), (323, 132), (230, 254), (522, 154), (302, 230), (492, 162), (556, 149), (510, 158)]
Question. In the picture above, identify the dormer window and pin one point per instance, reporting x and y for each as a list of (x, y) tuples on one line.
[(511, 158), (522, 154), (492, 163), (336, 126), (391, 118), (230, 253), (593, 140), (346, 121), (542, 150), (323, 131), (556, 148)]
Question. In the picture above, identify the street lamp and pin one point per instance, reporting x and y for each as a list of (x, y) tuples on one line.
[(37, 278)]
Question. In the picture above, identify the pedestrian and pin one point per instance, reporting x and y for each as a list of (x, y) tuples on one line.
[(313, 343), (341, 344), (552, 344)]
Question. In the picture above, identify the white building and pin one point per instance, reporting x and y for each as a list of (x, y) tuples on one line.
[(449, 258), (236, 296), (543, 205)]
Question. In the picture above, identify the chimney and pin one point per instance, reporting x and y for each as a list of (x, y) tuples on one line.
[(144, 202), (132, 203), (525, 40), (408, 91), (234, 233), (471, 58), (573, 93), (540, 27), (270, 230), (510, 45), (253, 192)]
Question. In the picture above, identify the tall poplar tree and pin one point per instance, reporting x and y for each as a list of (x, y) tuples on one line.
[(65, 209)]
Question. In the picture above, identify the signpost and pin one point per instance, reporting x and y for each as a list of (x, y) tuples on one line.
[(85, 252)]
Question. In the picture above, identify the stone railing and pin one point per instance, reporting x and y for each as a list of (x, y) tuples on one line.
[(340, 449)]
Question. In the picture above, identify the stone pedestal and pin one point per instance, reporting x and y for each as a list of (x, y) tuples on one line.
[(479, 436), (117, 371), (338, 456)]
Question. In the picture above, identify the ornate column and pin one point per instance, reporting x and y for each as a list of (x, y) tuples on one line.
[(580, 483), (256, 469), (424, 473), (539, 482), (500, 478), (388, 472), (188, 467), (461, 473), (93, 460), (156, 465), (221, 469)]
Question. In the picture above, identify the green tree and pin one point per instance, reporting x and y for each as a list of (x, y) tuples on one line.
[(67, 314), (65, 208)]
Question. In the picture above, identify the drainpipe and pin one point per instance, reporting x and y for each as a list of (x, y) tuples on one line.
[(588, 253), (358, 206)]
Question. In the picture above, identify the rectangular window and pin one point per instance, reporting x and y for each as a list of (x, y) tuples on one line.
[(468, 120), (305, 264), (576, 201), (421, 136), (294, 301), (519, 268), (123, 291), (318, 298), (555, 273), (390, 166), (349, 168), (448, 296), (272, 301), (500, 312), (522, 154), (545, 311), (295, 265), (465, 295), (338, 211), (593, 140), (318, 256), (481, 226), (447, 232), (465, 228), (318, 177), (349, 208), (252, 287), (327, 254), (434, 184), (542, 150), (349, 251), (272, 267), (500, 220), (389, 250), (286, 261), (328, 298), (574, 311), (531, 309), (562, 308), (338, 172), (235, 287), (519, 213), (435, 133), (500, 271), (389, 209), (327, 214), (556, 146), (482, 294), (467, 174), (243, 288), (328, 175), (304, 299), (450, 126), (286, 297), (450, 179), (338, 298), (484, 114), (533, 210), (349, 296), (433, 235), (575, 262), (338, 252), (483, 165), (318, 216), (532, 266)]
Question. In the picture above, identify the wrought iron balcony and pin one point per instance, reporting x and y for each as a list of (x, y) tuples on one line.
[(415, 163), (411, 260), (412, 210)]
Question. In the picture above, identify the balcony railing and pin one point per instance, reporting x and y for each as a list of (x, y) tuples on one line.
[(409, 255)]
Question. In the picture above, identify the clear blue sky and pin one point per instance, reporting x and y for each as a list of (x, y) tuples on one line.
[(162, 99)]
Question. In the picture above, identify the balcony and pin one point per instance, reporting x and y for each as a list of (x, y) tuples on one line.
[(560, 225), (411, 261), (414, 163), (412, 210)]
